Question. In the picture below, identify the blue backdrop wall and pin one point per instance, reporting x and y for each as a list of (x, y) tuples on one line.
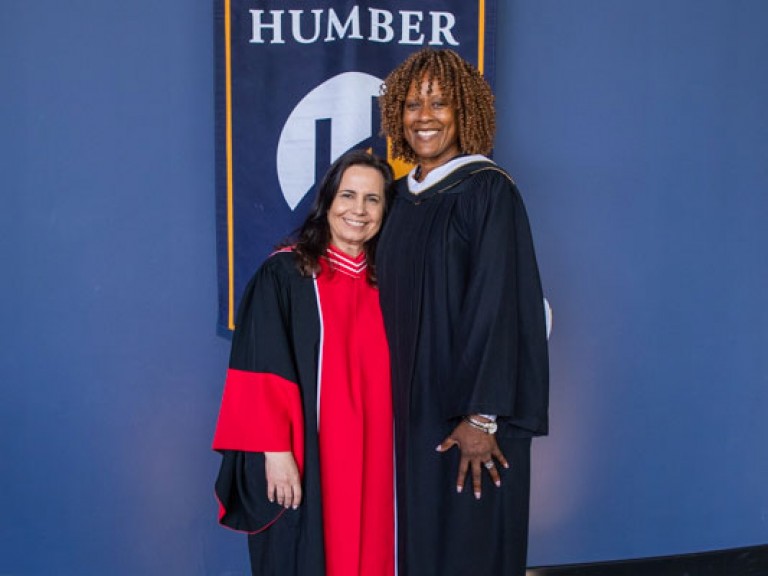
[(638, 135)]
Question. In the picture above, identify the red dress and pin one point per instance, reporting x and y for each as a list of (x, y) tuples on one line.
[(355, 422)]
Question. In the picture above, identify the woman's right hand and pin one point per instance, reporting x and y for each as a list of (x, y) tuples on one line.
[(283, 480)]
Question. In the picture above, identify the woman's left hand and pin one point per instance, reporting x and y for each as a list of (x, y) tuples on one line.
[(478, 450)]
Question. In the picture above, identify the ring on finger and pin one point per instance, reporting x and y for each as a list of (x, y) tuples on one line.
[(489, 465)]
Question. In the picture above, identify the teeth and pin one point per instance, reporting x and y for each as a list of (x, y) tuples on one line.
[(354, 223), (426, 133)]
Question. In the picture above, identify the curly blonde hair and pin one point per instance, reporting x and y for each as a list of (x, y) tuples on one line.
[(459, 81)]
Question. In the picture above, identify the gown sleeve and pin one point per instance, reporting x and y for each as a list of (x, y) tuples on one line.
[(261, 405), (500, 354)]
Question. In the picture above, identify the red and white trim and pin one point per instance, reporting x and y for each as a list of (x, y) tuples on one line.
[(354, 267)]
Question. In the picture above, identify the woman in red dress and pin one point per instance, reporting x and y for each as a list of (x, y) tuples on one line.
[(305, 425)]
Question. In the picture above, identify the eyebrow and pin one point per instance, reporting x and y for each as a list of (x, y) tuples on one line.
[(359, 192)]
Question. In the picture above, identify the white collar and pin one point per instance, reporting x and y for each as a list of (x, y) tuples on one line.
[(441, 172)]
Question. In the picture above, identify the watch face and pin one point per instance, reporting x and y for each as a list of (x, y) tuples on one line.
[(492, 427)]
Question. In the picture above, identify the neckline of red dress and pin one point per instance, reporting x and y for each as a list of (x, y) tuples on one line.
[(354, 266)]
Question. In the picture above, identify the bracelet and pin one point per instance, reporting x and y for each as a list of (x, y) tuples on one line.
[(487, 427)]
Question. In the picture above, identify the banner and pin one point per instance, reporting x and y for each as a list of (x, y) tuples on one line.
[(296, 86)]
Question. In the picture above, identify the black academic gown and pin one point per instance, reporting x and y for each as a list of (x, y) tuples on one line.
[(275, 346), (305, 346), (463, 309)]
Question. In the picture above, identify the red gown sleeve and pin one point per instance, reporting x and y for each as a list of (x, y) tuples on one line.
[(261, 407)]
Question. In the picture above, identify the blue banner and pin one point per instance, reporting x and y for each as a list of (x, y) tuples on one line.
[(296, 87)]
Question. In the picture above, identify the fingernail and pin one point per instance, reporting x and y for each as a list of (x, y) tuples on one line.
[(506, 465), (458, 489), (498, 483), (477, 495), (438, 448)]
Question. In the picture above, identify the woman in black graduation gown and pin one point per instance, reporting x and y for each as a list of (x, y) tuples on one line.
[(464, 315), (306, 411)]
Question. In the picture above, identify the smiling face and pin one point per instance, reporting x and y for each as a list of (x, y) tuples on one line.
[(357, 209), (429, 125)]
